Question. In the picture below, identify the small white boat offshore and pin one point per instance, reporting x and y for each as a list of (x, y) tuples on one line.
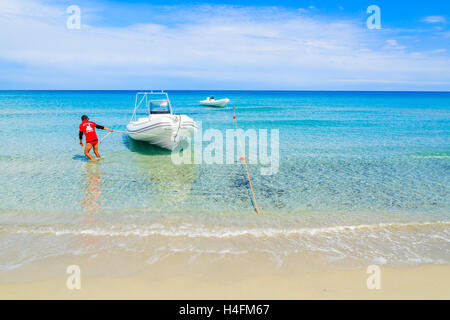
[(211, 102), (159, 126)]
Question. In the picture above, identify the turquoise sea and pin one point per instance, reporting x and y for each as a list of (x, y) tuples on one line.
[(364, 177)]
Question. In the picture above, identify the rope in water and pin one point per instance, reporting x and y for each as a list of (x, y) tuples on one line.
[(106, 135), (243, 159)]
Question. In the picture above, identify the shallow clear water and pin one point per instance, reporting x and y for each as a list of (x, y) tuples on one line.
[(363, 177)]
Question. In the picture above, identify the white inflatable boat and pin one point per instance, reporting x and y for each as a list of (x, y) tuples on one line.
[(211, 102), (159, 126)]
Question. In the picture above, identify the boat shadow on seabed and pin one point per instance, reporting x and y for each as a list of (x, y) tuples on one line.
[(144, 148)]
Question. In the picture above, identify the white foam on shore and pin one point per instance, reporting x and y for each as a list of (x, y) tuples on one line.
[(205, 232), (384, 243)]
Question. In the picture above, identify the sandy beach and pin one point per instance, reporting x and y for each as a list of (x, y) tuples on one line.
[(429, 282), (161, 281)]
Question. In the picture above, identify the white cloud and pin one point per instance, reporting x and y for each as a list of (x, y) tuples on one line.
[(435, 19), (442, 50), (393, 44), (209, 46)]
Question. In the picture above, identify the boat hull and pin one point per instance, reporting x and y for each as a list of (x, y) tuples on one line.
[(165, 131), (215, 103)]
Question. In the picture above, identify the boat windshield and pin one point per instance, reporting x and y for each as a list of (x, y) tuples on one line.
[(159, 106), (145, 105)]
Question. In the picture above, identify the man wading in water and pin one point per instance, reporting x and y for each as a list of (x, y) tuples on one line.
[(88, 128)]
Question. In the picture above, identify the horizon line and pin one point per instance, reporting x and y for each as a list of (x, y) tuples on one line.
[(242, 90)]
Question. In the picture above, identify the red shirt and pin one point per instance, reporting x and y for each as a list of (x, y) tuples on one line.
[(88, 128)]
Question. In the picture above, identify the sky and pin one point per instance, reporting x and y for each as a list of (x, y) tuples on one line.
[(221, 45)]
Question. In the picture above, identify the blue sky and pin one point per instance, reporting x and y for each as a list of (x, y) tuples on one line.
[(247, 44)]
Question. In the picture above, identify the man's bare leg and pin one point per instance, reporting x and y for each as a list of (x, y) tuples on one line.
[(87, 149), (96, 151)]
